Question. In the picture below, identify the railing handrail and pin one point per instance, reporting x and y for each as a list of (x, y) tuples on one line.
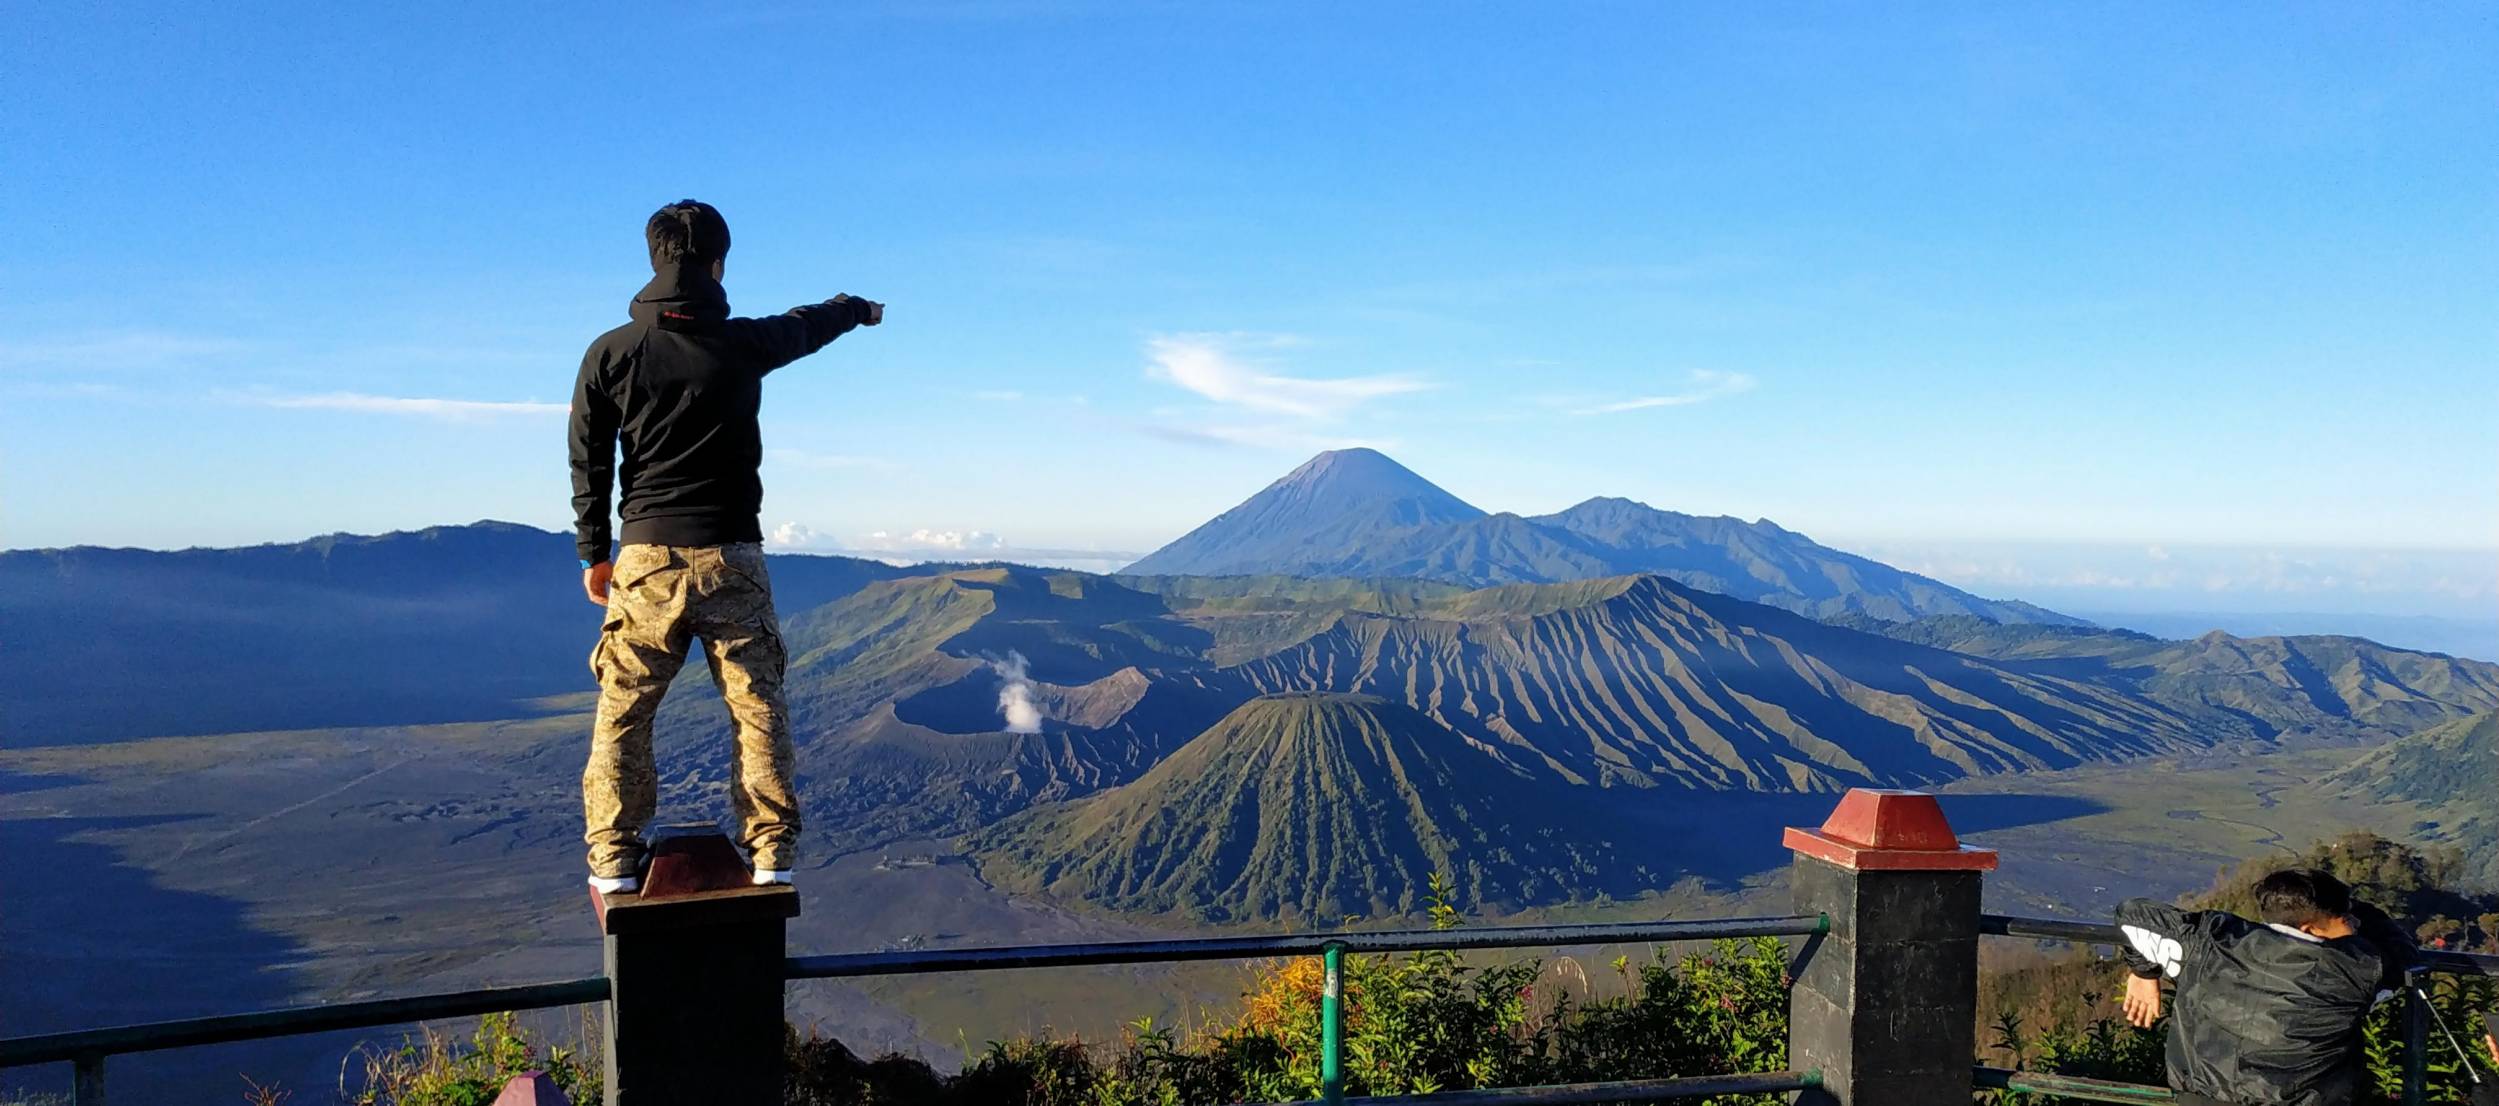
[(290, 1021), (853, 964), (2070, 1086), (1572, 1094), (2105, 933)]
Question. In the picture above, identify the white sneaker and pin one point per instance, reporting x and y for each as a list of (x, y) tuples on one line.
[(771, 877), (616, 885)]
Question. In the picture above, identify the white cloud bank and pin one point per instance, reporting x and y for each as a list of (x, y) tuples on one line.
[(896, 547), (934, 541)]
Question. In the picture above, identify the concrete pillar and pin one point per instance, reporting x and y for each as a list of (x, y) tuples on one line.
[(694, 968), (1885, 1005)]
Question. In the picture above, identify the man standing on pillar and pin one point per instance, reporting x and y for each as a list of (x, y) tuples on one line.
[(678, 388)]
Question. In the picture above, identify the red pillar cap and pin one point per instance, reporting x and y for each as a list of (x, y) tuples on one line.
[(535, 1088), (1877, 829), (691, 860), (687, 862)]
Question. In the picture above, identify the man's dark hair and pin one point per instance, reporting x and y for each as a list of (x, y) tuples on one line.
[(2300, 897), (687, 232)]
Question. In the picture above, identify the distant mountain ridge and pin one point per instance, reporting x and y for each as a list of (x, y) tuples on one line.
[(2447, 776), (2285, 684), (1439, 711), (1616, 688), (1355, 512), (447, 623)]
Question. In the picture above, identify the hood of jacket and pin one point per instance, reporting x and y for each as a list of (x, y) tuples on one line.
[(680, 293)]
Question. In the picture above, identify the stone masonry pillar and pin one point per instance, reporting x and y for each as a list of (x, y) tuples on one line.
[(1885, 1005)]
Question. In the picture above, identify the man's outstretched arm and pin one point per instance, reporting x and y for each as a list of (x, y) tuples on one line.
[(799, 331), (592, 438)]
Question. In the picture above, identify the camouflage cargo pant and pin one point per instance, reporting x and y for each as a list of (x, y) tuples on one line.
[(659, 599)]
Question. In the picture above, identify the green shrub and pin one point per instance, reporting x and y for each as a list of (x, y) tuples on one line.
[(433, 1070), (1414, 1024)]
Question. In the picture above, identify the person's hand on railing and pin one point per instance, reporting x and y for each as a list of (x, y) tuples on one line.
[(2486, 1091), (2143, 1001)]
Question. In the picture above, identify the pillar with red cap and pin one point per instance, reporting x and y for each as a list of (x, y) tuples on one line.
[(696, 979), (1885, 1005)]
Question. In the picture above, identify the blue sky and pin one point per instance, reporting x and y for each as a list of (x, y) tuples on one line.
[(1949, 278)]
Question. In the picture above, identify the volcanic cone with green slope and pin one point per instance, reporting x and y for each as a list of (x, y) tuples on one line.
[(1318, 806)]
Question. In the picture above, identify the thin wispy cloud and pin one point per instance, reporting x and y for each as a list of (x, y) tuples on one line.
[(808, 459), (1225, 369), (997, 395), (1274, 436), (1703, 385), (138, 349), (417, 406)]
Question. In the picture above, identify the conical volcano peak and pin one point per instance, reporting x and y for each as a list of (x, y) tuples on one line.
[(1336, 504), (1364, 475)]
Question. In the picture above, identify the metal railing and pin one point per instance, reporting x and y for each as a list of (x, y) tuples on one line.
[(2071, 1086), (2417, 1013), (87, 1049), (1331, 948), (1636, 1090), (848, 965)]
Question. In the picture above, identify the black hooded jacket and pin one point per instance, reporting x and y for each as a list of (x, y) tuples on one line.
[(2264, 1016), (678, 388)]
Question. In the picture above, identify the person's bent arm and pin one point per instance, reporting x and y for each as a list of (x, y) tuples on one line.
[(2396, 949), (2157, 935), (592, 439), (786, 337)]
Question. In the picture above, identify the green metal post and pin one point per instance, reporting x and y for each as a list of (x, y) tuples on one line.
[(2416, 1038), (87, 1080), (1332, 1025)]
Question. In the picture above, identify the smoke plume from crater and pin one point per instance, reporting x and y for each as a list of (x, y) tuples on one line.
[(1015, 700)]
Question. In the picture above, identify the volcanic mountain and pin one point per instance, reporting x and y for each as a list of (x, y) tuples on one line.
[(1339, 501), (1642, 681), (1617, 688), (1355, 512), (1319, 806), (1442, 710)]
